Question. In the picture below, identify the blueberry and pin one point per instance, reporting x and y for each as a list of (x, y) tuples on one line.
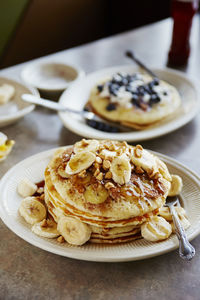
[(154, 99), (129, 89), (114, 129), (113, 88), (165, 93), (124, 81), (156, 81), (100, 126), (100, 88), (135, 100), (92, 123), (111, 106)]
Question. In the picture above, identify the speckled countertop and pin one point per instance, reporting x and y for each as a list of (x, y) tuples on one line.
[(27, 272)]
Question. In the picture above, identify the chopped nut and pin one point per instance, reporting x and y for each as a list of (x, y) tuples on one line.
[(100, 176), (82, 174), (156, 175), (44, 223), (124, 144), (98, 160), (106, 164), (109, 185), (96, 172), (84, 142), (119, 151), (60, 239), (151, 172), (40, 190), (108, 175), (96, 165), (112, 147), (138, 151), (106, 146), (139, 170), (42, 197)]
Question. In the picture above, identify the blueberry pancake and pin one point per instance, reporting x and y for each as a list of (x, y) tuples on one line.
[(136, 100)]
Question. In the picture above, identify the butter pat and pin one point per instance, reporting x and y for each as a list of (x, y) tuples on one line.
[(6, 93)]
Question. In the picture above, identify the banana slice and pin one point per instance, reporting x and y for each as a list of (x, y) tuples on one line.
[(79, 162), (61, 171), (147, 161), (165, 213), (46, 228), (156, 229), (163, 169), (26, 188), (74, 231), (121, 169), (95, 196), (86, 145), (184, 222), (32, 210), (176, 185)]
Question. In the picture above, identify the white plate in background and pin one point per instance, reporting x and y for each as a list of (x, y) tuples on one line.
[(78, 94), (51, 76), (33, 168), (15, 108)]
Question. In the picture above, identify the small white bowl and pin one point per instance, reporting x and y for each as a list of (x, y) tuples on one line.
[(51, 76)]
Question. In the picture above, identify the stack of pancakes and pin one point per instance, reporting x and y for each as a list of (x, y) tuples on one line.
[(116, 192)]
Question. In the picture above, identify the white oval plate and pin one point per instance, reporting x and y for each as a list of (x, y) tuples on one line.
[(78, 94), (51, 76), (33, 168), (15, 108)]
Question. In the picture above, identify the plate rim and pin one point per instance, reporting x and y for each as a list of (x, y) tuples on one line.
[(24, 111), (83, 256), (136, 135)]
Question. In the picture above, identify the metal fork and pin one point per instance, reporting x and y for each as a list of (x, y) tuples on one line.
[(186, 250)]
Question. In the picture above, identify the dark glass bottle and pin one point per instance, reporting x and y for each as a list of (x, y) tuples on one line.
[(182, 14)]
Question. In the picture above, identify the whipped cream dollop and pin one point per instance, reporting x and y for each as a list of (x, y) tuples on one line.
[(133, 90)]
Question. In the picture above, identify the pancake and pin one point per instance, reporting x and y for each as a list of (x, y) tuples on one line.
[(104, 190), (138, 197), (116, 240), (57, 210), (125, 101)]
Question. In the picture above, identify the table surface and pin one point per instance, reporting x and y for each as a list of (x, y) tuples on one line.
[(30, 273)]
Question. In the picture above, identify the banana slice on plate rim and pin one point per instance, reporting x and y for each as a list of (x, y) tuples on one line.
[(176, 185), (46, 228), (74, 231), (156, 229), (32, 210)]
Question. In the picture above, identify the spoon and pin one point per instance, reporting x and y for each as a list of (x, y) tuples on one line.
[(91, 119), (186, 250), (131, 55)]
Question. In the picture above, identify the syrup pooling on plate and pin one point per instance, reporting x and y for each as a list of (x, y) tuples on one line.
[(102, 192)]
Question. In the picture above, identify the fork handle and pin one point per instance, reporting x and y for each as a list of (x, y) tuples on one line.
[(186, 250)]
